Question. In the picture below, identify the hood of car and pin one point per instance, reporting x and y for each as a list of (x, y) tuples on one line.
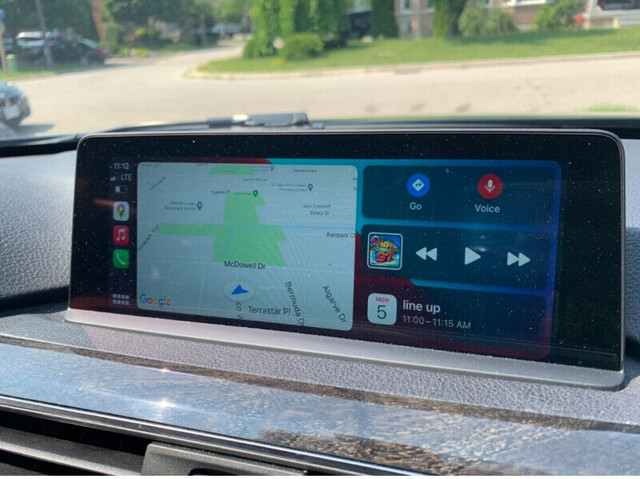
[(8, 90)]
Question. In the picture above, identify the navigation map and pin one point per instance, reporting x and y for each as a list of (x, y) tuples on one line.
[(273, 243)]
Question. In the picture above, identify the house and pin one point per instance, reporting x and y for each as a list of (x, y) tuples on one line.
[(415, 17)]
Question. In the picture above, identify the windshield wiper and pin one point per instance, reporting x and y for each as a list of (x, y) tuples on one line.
[(270, 120), (15, 146)]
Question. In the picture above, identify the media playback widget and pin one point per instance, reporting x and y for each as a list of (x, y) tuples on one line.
[(473, 260), (512, 259)]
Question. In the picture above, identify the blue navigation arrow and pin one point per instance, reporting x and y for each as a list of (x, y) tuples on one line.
[(239, 290)]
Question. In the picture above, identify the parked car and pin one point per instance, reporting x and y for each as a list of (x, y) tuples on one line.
[(30, 46), (92, 52), (9, 45), (14, 105), (225, 30), (63, 48)]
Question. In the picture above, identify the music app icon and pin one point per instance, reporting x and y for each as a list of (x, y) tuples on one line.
[(121, 235)]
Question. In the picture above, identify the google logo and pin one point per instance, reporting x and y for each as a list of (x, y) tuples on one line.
[(161, 302)]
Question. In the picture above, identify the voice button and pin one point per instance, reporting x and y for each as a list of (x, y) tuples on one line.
[(490, 187)]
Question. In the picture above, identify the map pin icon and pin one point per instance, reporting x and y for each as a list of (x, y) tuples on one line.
[(255, 193), (199, 205), (310, 186)]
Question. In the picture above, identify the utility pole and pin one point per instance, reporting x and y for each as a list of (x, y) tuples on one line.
[(97, 9), (3, 53), (47, 54)]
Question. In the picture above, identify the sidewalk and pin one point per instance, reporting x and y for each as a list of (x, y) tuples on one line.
[(407, 68)]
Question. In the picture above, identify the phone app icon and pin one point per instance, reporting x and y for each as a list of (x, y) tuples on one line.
[(490, 187), (120, 258), (121, 211), (121, 235)]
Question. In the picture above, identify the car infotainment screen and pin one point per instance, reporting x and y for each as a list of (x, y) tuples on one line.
[(500, 245)]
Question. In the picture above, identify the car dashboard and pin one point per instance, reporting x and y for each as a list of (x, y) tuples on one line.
[(81, 398)]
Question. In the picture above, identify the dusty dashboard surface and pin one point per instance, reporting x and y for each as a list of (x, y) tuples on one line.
[(408, 418)]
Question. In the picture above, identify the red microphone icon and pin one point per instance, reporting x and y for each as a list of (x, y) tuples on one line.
[(490, 187)]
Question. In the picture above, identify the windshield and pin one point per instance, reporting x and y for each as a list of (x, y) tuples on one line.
[(112, 63)]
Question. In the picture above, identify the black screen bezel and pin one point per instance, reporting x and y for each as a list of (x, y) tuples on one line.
[(589, 282)]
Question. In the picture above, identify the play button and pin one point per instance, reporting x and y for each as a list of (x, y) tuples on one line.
[(424, 254), (470, 256)]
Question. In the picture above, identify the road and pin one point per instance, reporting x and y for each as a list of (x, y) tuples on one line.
[(127, 92)]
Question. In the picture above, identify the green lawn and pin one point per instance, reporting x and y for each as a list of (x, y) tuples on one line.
[(613, 109), (26, 71), (398, 52)]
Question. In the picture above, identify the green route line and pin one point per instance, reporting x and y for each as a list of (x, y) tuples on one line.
[(235, 170), (240, 237)]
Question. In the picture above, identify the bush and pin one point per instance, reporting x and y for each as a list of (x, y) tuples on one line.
[(114, 33), (446, 16), (148, 38), (473, 19), (254, 49), (329, 20), (301, 47), (560, 15), (477, 21), (251, 49), (383, 20), (500, 22)]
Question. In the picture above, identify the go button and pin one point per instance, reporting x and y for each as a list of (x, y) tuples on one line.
[(418, 185)]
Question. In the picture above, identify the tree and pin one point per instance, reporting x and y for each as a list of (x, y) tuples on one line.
[(478, 21), (383, 21), (192, 16), (273, 19), (560, 15), (445, 21), (138, 12), (296, 16), (196, 17), (231, 11), (265, 17), (325, 18), (20, 15), (329, 20)]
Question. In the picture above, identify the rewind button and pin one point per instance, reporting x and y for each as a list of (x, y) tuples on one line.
[(424, 253)]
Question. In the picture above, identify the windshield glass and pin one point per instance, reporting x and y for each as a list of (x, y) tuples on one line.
[(105, 64)]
